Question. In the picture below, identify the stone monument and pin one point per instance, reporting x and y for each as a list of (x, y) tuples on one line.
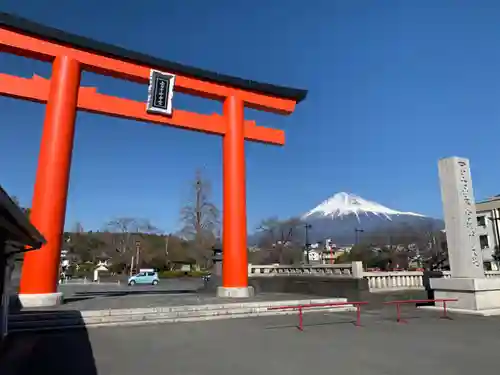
[(475, 293)]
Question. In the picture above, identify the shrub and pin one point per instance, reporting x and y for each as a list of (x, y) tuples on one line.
[(198, 273), (175, 274)]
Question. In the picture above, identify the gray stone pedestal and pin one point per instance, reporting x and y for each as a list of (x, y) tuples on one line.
[(479, 296), (215, 282), (41, 300), (244, 292)]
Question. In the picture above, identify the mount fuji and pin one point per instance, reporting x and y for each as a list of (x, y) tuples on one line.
[(344, 216)]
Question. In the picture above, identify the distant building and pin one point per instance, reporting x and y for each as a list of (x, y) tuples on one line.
[(488, 224), (314, 255), (326, 253), (65, 261)]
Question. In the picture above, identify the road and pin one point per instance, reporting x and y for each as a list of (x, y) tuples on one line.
[(114, 296)]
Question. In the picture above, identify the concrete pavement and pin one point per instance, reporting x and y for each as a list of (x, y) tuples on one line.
[(329, 344)]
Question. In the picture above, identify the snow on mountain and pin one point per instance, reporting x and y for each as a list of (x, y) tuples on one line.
[(344, 204), (347, 218)]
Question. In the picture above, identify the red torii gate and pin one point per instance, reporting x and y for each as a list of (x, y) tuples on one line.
[(70, 55)]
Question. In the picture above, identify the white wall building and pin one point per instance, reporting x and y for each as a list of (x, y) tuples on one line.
[(488, 224), (325, 253)]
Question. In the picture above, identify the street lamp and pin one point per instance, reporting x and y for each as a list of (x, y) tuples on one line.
[(356, 235), (307, 244)]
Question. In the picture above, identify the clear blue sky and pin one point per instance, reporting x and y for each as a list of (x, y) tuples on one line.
[(393, 87)]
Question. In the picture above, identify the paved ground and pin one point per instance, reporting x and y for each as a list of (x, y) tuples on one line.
[(172, 292), (96, 297), (114, 296), (271, 345)]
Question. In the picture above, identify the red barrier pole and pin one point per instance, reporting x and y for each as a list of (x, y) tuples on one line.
[(398, 312), (301, 319), (358, 315), (444, 310)]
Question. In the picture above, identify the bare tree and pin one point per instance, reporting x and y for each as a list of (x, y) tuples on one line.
[(15, 200), (434, 251), (280, 240), (127, 234), (76, 241), (401, 247), (200, 219), (26, 210)]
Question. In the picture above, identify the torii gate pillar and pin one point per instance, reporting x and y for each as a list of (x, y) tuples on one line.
[(234, 220), (48, 210)]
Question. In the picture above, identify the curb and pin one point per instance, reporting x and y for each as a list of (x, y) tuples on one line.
[(172, 314)]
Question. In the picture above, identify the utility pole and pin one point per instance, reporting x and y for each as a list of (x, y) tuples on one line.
[(390, 253), (329, 246), (137, 254), (307, 244), (131, 266), (166, 249)]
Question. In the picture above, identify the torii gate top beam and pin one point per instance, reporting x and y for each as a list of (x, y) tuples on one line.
[(26, 38)]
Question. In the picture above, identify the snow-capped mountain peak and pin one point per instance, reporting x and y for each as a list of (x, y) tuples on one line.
[(343, 204)]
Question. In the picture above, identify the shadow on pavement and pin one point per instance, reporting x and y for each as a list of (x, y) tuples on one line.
[(51, 351), (134, 292), (377, 300)]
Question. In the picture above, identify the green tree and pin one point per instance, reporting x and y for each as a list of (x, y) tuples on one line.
[(371, 255), (78, 242), (177, 251)]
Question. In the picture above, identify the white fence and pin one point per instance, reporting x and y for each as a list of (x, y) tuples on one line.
[(85, 281), (378, 281)]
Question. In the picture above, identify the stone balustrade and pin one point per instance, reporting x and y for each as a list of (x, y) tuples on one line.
[(396, 280), (377, 280), (491, 274), (354, 269), (404, 280)]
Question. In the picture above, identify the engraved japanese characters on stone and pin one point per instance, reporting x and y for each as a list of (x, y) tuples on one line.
[(469, 210)]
